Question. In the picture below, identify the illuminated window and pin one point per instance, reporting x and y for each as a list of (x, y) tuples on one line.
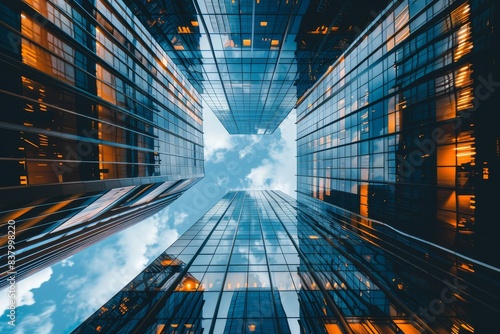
[(183, 30), (160, 328)]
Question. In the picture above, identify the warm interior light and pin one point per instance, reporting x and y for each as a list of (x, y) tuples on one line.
[(363, 200), (251, 328), (333, 329), (275, 42), (486, 172), (160, 328), (247, 42), (183, 30), (467, 267), (195, 23), (263, 23), (189, 284), (166, 262), (467, 327)]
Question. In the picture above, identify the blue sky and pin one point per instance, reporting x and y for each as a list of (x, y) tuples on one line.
[(59, 298)]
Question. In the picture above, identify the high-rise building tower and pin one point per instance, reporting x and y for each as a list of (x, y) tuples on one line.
[(259, 263), (399, 132), (99, 129), (252, 59)]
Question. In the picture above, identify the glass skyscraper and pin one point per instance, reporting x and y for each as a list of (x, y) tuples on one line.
[(253, 59), (258, 262), (99, 128), (394, 229), (399, 132)]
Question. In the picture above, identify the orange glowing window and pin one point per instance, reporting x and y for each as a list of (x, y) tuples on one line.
[(263, 23), (333, 329), (391, 126), (247, 42), (363, 200), (23, 180), (275, 42), (486, 173), (166, 262), (183, 30)]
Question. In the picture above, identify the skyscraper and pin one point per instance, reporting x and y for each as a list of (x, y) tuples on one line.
[(99, 128), (398, 133), (394, 229), (258, 262), (253, 59)]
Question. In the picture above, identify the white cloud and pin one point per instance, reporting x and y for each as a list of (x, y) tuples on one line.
[(217, 140), (279, 171), (179, 218), (67, 262), (220, 181), (113, 266), (261, 176), (250, 148), (37, 324), (24, 293)]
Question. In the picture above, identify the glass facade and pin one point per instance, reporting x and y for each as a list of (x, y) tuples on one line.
[(99, 126), (399, 130), (253, 58), (258, 262)]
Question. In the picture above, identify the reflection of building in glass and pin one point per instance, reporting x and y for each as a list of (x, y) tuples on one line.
[(396, 141), (383, 281), (154, 292), (174, 25), (399, 130), (258, 311), (327, 29), (252, 59), (258, 262), (101, 129)]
